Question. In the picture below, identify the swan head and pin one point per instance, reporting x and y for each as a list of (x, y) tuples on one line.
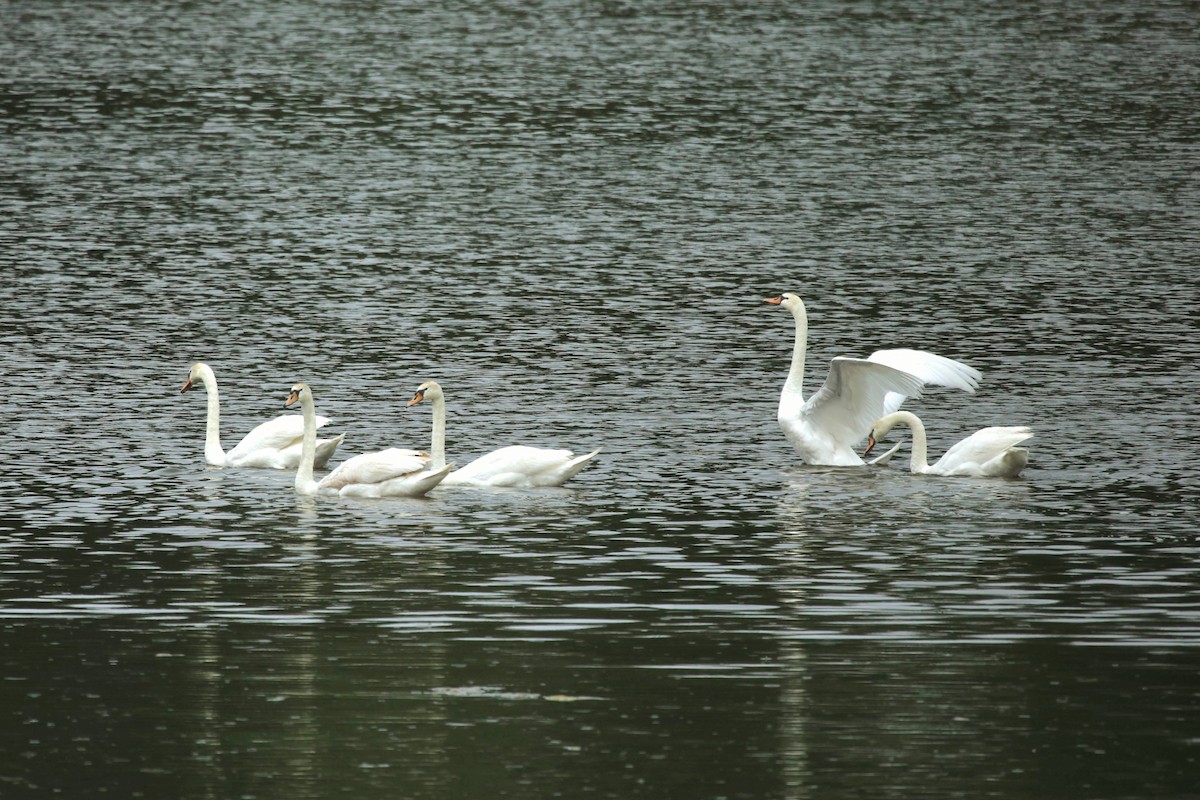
[(880, 429), (791, 302), (298, 390), (430, 390), (196, 373)]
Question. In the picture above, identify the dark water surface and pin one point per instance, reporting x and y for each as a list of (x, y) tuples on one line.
[(567, 213)]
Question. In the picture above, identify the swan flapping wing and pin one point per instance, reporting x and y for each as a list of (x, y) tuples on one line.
[(375, 467), (853, 395), (930, 368)]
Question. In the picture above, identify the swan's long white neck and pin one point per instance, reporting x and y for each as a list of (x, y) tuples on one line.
[(308, 447), (920, 444), (437, 447), (792, 397), (213, 452)]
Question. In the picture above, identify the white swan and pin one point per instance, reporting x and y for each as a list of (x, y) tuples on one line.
[(385, 473), (275, 444), (825, 428), (987, 453), (515, 466)]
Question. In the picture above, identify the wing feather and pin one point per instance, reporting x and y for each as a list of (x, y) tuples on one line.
[(930, 368), (852, 397), (274, 434), (375, 467), (982, 446), (517, 459)]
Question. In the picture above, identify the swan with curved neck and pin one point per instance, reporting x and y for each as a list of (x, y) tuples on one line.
[(987, 453), (513, 466), (275, 444), (394, 472), (824, 428)]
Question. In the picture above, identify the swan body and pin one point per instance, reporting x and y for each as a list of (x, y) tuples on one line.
[(824, 428), (386, 473), (987, 453), (515, 466), (275, 444)]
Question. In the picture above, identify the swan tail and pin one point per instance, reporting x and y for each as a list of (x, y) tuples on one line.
[(572, 467), (325, 450), (432, 478)]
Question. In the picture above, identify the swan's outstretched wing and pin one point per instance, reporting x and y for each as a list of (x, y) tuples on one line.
[(852, 398), (375, 467), (930, 368), (274, 434), (981, 447)]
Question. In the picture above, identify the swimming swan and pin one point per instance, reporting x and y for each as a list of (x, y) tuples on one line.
[(275, 444), (987, 453), (385, 473), (516, 466)]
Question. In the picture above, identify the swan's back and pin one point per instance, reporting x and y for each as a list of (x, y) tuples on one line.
[(263, 446), (990, 452), (376, 467), (522, 466), (412, 484)]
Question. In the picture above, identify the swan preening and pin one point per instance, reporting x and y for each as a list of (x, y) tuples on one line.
[(825, 427), (386, 473), (275, 444), (514, 466), (987, 453)]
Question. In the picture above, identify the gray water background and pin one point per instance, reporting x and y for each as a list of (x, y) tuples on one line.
[(568, 213)]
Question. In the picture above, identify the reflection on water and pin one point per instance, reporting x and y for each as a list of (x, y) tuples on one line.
[(569, 216)]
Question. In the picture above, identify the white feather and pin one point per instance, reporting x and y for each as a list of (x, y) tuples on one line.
[(987, 453), (825, 428), (514, 466), (274, 444)]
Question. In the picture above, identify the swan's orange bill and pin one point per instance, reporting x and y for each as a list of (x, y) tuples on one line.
[(294, 397), (186, 385), (773, 300), (418, 397), (870, 443)]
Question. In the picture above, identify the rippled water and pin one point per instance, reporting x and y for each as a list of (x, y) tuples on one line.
[(567, 213)]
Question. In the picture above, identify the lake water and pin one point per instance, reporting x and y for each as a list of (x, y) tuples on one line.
[(568, 213)]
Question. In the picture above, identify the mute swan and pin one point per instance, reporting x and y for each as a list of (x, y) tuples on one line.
[(275, 444), (385, 473), (825, 429), (515, 466), (988, 453)]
